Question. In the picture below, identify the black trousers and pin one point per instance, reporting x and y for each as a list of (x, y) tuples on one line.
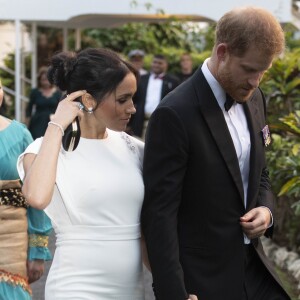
[(259, 283)]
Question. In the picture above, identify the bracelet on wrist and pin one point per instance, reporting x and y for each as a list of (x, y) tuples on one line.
[(58, 125)]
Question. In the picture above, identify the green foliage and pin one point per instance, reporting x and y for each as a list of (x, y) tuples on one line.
[(290, 32), (8, 80), (171, 38), (208, 36), (281, 84), (149, 37), (292, 122), (291, 187), (284, 160), (284, 164)]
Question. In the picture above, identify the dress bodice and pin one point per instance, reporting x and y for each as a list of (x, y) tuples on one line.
[(100, 183)]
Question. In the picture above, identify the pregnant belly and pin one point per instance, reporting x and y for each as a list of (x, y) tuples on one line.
[(96, 269)]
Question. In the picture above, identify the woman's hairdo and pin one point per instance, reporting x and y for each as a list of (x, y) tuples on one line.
[(98, 71)]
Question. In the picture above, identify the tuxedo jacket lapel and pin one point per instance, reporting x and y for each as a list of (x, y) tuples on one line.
[(253, 118), (218, 127), (164, 88), (143, 87), (215, 120), (167, 86)]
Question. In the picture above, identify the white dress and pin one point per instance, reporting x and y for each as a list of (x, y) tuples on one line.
[(95, 212)]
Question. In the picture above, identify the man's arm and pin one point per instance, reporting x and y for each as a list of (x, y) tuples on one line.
[(165, 161)]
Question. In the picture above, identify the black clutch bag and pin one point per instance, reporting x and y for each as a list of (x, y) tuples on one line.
[(71, 136)]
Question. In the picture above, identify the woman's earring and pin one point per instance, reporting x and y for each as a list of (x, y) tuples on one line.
[(90, 110)]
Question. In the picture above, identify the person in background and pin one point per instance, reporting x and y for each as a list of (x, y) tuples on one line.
[(152, 88), (43, 101), (94, 194), (24, 230), (208, 198), (186, 67), (136, 58)]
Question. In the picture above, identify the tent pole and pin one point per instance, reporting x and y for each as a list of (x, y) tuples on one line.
[(17, 73), (78, 39), (65, 39), (33, 55)]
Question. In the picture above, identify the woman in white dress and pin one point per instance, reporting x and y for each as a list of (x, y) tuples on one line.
[(94, 194)]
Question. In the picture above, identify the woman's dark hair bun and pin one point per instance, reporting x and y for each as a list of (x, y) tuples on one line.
[(98, 71), (61, 66)]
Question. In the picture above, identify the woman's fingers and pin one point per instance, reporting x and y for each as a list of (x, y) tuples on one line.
[(75, 95), (68, 109)]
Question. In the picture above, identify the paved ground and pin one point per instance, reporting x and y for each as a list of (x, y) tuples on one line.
[(38, 287)]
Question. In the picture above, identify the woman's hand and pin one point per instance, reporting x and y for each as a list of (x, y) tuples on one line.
[(67, 110), (35, 269)]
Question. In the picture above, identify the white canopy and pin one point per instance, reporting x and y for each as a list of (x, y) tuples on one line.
[(103, 13), (79, 14)]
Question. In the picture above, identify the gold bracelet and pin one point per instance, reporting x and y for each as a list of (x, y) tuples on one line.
[(59, 126)]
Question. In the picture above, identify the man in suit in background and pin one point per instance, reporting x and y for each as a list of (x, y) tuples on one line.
[(207, 190), (151, 89)]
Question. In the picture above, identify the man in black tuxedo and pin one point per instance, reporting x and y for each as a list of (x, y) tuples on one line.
[(207, 191), (151, 89)]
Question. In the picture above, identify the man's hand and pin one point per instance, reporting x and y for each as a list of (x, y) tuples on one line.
[(255, 222), (192, 297), (35, 269)]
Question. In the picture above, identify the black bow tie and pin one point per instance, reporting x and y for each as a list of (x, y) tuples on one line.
[(228, 103), (160, 76)]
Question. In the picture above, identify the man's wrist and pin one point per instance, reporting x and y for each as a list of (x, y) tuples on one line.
[(271, 216)]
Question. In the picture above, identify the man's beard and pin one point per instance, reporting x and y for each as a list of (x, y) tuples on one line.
[(230, 86)]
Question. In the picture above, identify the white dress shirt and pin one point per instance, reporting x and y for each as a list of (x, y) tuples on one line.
[(153, 95)]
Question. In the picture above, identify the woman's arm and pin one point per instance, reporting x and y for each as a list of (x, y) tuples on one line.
[(39, 228), (40, 169)]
